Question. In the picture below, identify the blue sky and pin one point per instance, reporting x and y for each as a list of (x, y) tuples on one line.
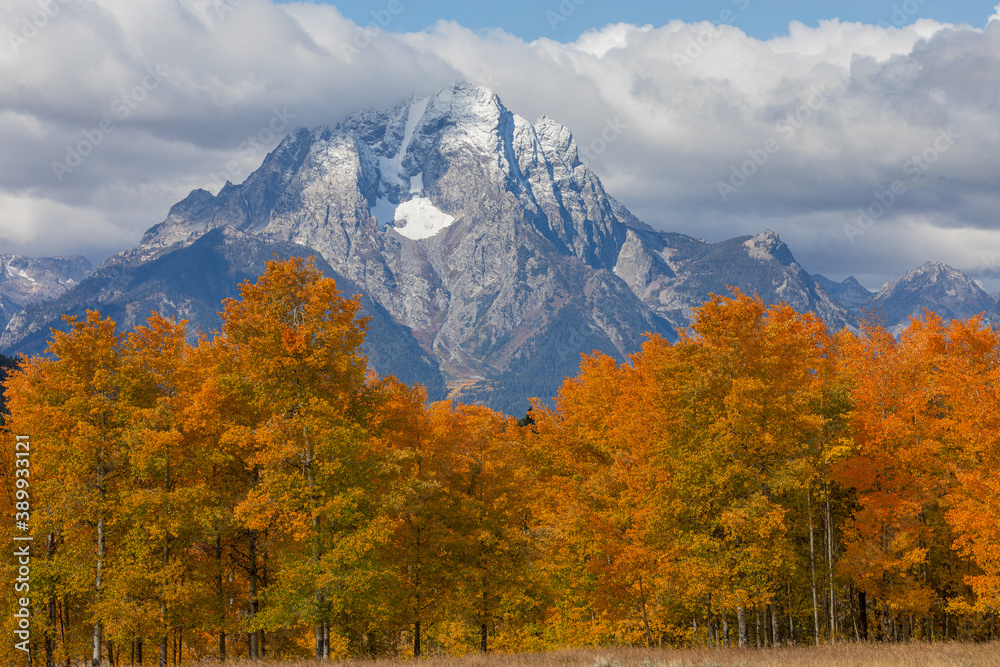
[(758, 18)]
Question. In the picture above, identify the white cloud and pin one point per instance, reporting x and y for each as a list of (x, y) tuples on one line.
[(848, 105)]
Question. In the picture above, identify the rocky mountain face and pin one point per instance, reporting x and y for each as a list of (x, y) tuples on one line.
[(850, 293), (934, 286), (190, 282), (938, 288), (673, 274), (489, 256), (25, 281)]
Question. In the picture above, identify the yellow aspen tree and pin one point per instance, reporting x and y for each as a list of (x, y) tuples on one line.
[(71, 405)]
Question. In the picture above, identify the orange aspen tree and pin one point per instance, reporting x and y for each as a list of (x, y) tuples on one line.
[(427, 542), (595, 562), (162, 590), (896, 466), (722, 421), (71, 405), (495, 586), (294, 344), (970, 381)]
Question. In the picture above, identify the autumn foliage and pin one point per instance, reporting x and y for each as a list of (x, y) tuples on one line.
[(762, 481)]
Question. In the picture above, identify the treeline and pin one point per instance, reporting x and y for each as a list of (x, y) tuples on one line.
[(760, 482)]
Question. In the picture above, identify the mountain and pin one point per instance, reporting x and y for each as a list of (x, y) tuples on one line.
[(850, 293), (190, 283), (489, 256), (673, 274), (938, 288), (24, 280)]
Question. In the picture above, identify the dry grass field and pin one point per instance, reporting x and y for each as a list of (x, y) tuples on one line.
[(852, 655)]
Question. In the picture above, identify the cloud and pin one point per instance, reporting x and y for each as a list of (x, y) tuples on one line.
[(721, 134)]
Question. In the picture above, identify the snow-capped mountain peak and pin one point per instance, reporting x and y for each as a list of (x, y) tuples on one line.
[(934, 286)]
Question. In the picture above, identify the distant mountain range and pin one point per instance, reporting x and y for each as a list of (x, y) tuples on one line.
[(25, 281), (932, 286), (489, 256)]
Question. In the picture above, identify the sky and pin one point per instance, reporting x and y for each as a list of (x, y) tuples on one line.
[(866, 134), (761, 19)]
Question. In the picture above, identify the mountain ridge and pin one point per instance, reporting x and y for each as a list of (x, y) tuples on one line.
[(492, 254), (26, 280)]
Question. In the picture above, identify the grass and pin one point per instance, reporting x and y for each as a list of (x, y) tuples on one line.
[(853, 655)]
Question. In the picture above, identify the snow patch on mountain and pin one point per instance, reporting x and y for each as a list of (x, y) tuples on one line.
[(390, 167), (421, 219)]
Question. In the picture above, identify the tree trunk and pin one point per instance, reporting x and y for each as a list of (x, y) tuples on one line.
[(791, 621), (164, 655), (63, 625), (760, 633), (50, 640), (98, 639), (829, 562), (812, 566), (852, 612), (741, 617), (775, 628), (138, 652), (645, 618), (320, 649), (416, 639), (306, 468), (51, 613), (711, 623), (863, 615), (220, 593), (322, 641), (252, 598), (482, 638), (725, 630)]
